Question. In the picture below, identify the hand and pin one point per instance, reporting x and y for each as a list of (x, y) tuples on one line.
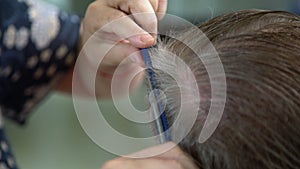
[(102, 12), (127, 36), (175, 158)]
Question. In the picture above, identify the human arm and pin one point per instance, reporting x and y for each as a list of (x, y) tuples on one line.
[(38, 46)]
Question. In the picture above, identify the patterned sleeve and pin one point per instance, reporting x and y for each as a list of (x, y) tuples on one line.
[(37, 46)]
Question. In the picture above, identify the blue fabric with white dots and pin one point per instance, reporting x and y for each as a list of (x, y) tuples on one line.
[(38, 43)]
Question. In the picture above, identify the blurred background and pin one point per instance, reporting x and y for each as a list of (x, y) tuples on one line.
[(53, 137)]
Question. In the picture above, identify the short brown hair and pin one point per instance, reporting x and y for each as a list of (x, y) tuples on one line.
[(260, 127)]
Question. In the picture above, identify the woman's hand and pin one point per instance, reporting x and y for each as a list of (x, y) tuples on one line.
[(174, 158), (124, 35), (102, 12)]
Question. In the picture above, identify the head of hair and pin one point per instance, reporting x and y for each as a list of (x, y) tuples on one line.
[(260, 126)]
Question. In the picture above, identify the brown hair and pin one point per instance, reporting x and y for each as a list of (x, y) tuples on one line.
[(260, 127)]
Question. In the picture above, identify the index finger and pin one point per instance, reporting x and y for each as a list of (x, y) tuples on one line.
[(143, 12), (125, 28), (162, 8)]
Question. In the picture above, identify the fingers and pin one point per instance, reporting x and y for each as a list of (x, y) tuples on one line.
[(127, 5), (119, 52), (143, 12), (158, 6), (140, 30), (175, 158), (143, 164), (126, 28), (162, 8), (167, 150), (144, 15)]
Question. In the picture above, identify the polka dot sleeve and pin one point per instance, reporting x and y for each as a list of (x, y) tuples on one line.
[(37, 46)]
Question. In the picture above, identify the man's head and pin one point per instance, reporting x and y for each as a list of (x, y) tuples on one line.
[(260, 127)]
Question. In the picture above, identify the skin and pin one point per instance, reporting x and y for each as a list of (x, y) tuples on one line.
[(98, 14), (102, 12), (175, 158)]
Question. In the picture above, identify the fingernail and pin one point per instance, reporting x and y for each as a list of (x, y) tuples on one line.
[(147, 39), (142, 40)]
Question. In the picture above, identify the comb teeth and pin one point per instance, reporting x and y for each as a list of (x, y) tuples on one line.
[(157, 108)]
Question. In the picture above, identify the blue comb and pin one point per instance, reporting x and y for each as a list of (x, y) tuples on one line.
[(161, 123)]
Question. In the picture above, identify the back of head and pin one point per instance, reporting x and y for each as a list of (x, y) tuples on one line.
[(260, 53)]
